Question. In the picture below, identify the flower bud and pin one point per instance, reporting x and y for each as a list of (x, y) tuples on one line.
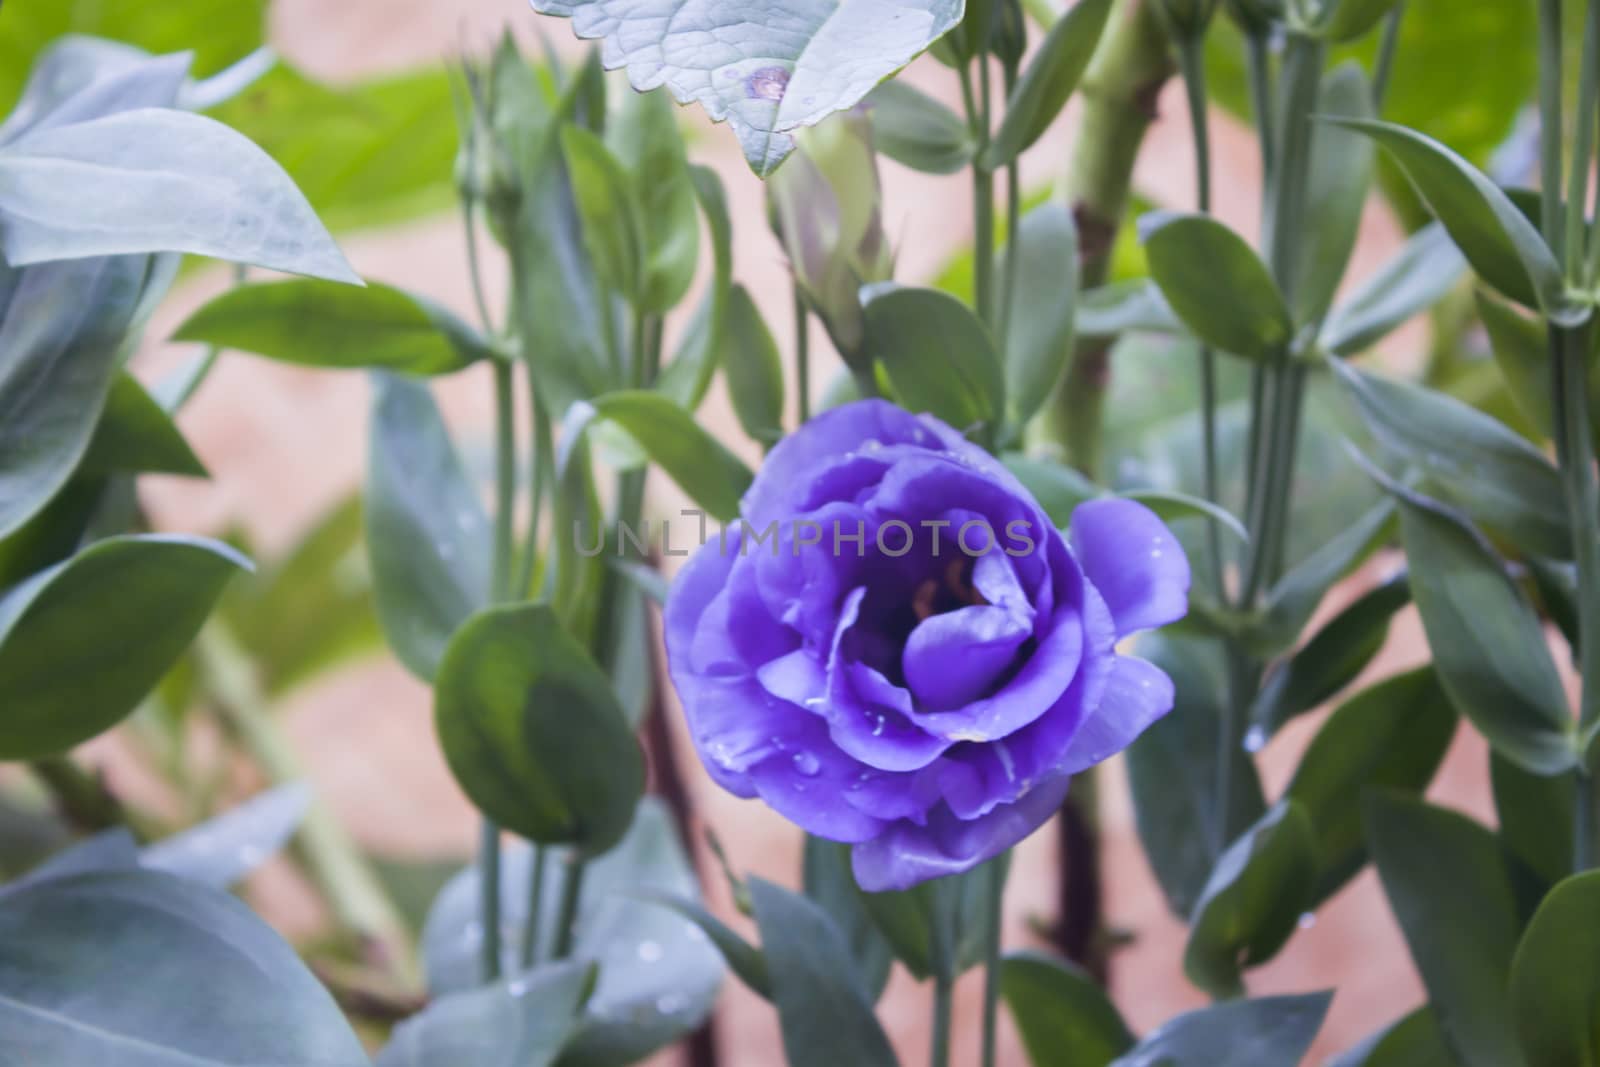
[(1256, 16), (826, 206), (1187, 19)]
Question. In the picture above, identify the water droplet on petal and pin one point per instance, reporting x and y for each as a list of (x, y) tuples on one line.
[(877, 726), (807, 763)]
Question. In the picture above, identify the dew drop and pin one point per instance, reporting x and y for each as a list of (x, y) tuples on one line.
[(517, 987), (1307, 920), (649, 951), (1006, 762), (671, 1003), (807, 763), (1255, 739), (877, 726), (871, 444)]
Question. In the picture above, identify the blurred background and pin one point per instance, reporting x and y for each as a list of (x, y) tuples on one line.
[(286, 449)]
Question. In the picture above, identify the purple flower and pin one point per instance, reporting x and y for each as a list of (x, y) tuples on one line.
[(896, 649)]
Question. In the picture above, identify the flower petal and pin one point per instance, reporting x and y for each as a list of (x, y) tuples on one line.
[(807, 782), (905, 854), (953, 659), (1137, 693), (869, 717), (1133, 560)]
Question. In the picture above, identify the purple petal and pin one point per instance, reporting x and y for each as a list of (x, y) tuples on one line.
[(807, 782), (869, 717), (953, 659), (906, 854), (1137, 693), (1133, 560)]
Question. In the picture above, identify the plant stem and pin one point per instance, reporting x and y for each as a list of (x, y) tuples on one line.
[(1120, 90), (567, 916), (1191, 61), (1259, 60), (530, 929), (332, 860), (994, 922), (942, 985), (802, 354), (1582, 146), (489, 899), (982, 200), (1575, 450), (1550, 85), (541, 462), (1388, 46)]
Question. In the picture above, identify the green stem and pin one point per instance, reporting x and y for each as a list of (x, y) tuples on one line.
[(1119, 93), (335, 865), (530, 929), (1585, 824), (489, 899), (1259, 58), (1582, 145), (942, 986), (1388, 46), (505, 479), (85, 801), (567, 916), (982, 202), (802, 354), (1575, 451), (993, 931), (1550, 86), (474, 272), (541, 462)]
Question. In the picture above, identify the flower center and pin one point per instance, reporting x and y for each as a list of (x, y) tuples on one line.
[(935, 596)]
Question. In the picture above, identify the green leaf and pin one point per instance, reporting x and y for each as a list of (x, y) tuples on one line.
[(1175, 801), (1065, 1017), (311, 608), (427, 534), (1217, 285), (658, 975), (939, 357), (913, 128), (1535, 812), (1426, 268), (1328, 662), (643, 135), (1173, 507), (1294, 599), (1414, 1041), (1444, 874), (92, 960), (824, 1011), (1487, 643), (1555, 977), (687, 377), (364, 155), (1497, 239), (60, 340), (1253, 900), (135, 436), (533, 733), (955, 905), (83, 642), (1472, 460), (609, 210), (712, 476), (523, 1022), (754, 369), (226, 847), (1048, 80), (1393, 735), (1353, 18), (200, 187), (319, 324), (830, 883), (1042, 302), (1057, 488), (1340, 174), (743, 958), (1124, 307), (1522, 352), (1264, 1032), (784, 74)]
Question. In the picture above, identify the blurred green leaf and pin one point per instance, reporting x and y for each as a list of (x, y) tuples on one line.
[(1419, 275), (321, 324), (1472, 460), (1047, 81), (226, 847), (913, 128), (643, 135), (1555, 977), (1040, 308), (1487, 643), (823, 1009), (1065, 1017), (83, 642), (831, 884), (610, 212), (526, 1021), (1294, 599), (712, 476), (940, 358), (1217, 285), (1522, 352), (1414, 1041), (1340, 174), (1535, 812), (1329, 661), (1392, 735), (1264, 1032), (427, 534), (1175, 792), (1252, 901), (533, 733), (753, 368), (687, 377), (1444, 875), (134, 435), (955, 906), (1353, 18)]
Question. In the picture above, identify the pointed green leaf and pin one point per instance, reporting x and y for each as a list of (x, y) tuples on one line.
[(644, 137), (913, 128), (1048, 80), (1418, 277), (1522, 351), (1414, 1041), (1066, 1018), (712, 476), (524, 1021), (754, 369), (1536, 814), (1217, 285), (940, 358), (611, 215), (83, 642), (320, 324), (1555, 977), (1042, 305), (830, 882), (1340, 175), (1354, 18), (135, 436), (1265, 1032)]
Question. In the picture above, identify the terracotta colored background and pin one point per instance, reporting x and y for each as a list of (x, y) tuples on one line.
[(284, 444)]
